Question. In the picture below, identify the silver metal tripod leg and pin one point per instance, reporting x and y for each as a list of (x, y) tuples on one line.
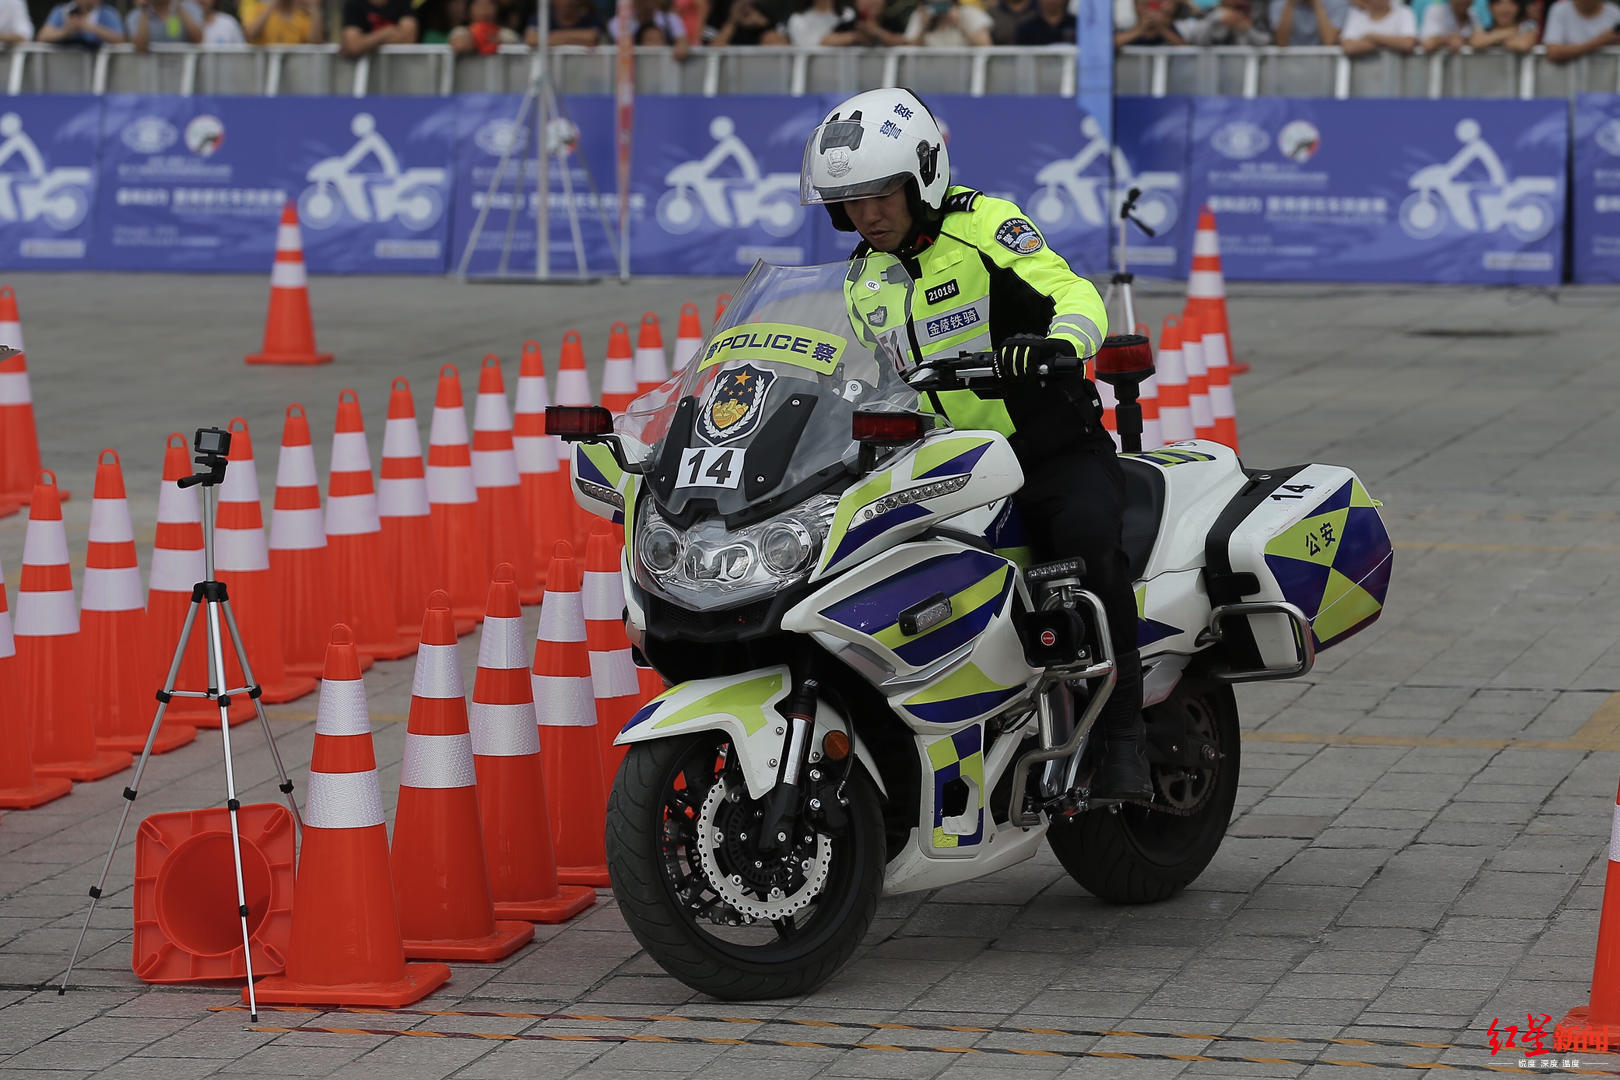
[(286, 784), (134, 786)]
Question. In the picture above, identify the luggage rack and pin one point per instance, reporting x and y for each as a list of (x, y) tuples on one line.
[(1304, 638)]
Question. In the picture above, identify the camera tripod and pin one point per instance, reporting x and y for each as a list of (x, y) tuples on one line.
[(209, 596)]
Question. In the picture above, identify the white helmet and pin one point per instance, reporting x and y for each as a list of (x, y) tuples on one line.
[(871, 145)]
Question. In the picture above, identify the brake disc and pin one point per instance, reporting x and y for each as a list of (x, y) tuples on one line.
[(724, 834)]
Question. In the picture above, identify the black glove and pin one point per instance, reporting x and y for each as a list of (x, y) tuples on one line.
[(1022, 355)]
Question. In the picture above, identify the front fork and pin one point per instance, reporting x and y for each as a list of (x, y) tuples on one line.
[(802, 786)]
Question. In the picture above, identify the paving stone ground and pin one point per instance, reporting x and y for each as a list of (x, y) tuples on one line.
[(1418, 846)]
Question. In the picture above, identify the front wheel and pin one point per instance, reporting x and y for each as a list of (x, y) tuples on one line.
[(709, 908), (1138, 855)]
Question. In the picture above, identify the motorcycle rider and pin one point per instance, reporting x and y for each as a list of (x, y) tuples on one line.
[(986, 280)]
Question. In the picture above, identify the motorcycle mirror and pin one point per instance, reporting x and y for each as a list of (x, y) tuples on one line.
[(1124, 358), (578, 421), (888, 428)]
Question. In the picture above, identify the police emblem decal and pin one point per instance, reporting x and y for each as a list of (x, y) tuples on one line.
[(1019, 237), (736, 403), (838, 163)]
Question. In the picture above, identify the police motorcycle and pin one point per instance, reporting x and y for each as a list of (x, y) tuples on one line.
[(871, 690)]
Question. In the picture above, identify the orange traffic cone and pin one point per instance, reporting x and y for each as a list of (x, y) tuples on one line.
[(402, 509), (300, 565), (1206, 285), (619, 374), (242, 563), (20, 787), (19, 439), (651, 370), (688, 337), (346, 947), (720, 304), (613, 673), (289, 330), (1175, 408), (511, 784), (573, 388), (566, 708), (354, 538), (495, 475), (545, 491), (113, 626), (177, 565), (47, 635), (459, 551), (1192, 354), (1221, 404), (440, 878), (1595, 1026)]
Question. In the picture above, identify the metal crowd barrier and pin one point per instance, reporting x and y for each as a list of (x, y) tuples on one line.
[(1268, 71)]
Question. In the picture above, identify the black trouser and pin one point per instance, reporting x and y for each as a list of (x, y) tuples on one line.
[(1073, 503)]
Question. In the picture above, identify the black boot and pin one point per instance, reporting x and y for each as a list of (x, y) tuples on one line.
[(1122, 771)]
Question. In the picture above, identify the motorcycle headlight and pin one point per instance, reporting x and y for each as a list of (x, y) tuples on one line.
[(786, 546), (660, 548), (720, 566)]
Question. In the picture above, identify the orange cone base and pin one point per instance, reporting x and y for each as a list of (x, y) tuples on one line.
[(289, 689), (1583, 1035), (560, 908), (171, 736), (507, 939), (103, 764), (420, 980), (1239, 368), (290, 358), (530, 597), (404, 648), (594, 876), (41, 791)]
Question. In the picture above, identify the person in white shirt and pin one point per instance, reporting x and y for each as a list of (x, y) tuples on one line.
[(811, 24), (15, 25), (1448, 24), (1376, 24), (1512, 27), (1578, 27), (218, 27), (948, 24)]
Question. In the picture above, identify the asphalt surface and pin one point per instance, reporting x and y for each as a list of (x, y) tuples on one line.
[(1418, 848)]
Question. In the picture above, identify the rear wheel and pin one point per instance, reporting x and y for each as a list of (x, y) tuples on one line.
[(713, 911), (1135, 854)]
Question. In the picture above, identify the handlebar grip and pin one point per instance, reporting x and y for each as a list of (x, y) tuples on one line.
[(1064, 365)]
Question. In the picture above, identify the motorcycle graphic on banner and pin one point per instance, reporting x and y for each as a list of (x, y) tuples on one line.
[(1522, 205), (47, 179), (699, 190)]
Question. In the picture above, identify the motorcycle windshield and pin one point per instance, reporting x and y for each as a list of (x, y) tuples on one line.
[(760, 416)]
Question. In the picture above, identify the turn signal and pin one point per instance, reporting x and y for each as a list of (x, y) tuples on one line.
[(1124, 358), (888, 428), (578, 421), (835, 746)]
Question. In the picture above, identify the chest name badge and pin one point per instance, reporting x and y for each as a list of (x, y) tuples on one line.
[(941, 293), (1019, 237), (736, 403)]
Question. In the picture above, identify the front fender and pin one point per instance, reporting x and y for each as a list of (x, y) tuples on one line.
[(745, 708)]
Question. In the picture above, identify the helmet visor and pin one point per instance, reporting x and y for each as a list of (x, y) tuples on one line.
[(832, 168)]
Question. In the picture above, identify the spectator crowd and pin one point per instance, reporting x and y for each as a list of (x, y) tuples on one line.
[(1568, 28)]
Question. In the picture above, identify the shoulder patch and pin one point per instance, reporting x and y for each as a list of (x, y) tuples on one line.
[(1019, 237), (961, 202)]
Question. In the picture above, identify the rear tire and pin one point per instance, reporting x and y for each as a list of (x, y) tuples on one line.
[(1137, 855), (652, 858)]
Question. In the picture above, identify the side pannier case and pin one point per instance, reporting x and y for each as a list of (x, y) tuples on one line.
[(1309, 535)]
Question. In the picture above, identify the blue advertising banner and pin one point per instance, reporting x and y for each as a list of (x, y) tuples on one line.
[(48, 149), (1596, 202), (486, 126), (1434, 191), (373, 181), (190, 183)]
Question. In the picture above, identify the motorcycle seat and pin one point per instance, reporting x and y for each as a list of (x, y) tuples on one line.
[(1144, 509)]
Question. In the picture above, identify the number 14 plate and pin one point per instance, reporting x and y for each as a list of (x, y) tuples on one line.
[(710, 467)]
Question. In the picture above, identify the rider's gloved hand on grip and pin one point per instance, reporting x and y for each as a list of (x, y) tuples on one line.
[(1023, 355)]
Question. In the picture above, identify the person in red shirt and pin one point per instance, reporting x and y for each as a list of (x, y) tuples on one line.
[(482, 34)]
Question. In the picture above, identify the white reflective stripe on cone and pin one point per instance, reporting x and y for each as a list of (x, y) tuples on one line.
[(650, 366), (534, 453), (438, 673), (117, 589), (489, 413), (288, 275), (241, 482), (177, 570), (501, 645), (685, 349), (297, 530), (1205, 285), (287, 238), (573, 387), (503, 730), (562, 617), (1614, 836), (451, 484), (494, 468), (619, 377), (564, 700), (449, 427), (1206, 242), (1216, 351), (241, 550), (613, 674), (342, 710), (349, 800), (45, 543), (349, 452), (400, 440), (352, 515), (46, 614), (14, 388), (532, 395), (11, 334), (109, 522), (602, 595), (8, 645), (296, 469), (437, 761), (178, 506), (402, 497)]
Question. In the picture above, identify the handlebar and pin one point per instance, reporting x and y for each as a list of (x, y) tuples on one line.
[(968, 370)]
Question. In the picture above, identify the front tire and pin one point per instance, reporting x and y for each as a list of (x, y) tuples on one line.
[(685, 924), (1137, 855)]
